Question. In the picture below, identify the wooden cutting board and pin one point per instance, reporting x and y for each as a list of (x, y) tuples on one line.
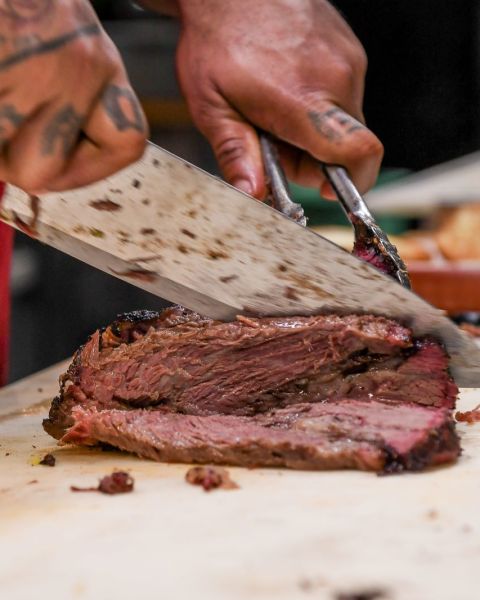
[(282, 535)]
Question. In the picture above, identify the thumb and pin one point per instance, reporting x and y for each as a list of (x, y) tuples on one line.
[(237, 149)]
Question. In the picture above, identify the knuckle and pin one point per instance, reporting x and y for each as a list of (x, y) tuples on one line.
[(97, 60), (345, 72), (112, 59), (201, 112), (132, 148), (137, 146), (368, 145), (86, 51), (360, 60)]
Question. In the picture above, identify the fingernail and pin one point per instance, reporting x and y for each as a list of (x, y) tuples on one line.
[(243, 185)]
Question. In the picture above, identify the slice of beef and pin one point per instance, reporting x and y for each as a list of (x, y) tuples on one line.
[(358, 434), (179, 366)]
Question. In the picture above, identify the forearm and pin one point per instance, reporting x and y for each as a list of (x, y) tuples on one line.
[(164, 7)]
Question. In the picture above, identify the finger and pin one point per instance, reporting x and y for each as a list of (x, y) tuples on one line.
[(300, 167), (116, 133), (343, 140), (305, 170), (332, 136), (42, 144), (15, 111), (235, 144), (11, 118)]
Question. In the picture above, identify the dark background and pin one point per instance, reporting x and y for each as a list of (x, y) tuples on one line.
[(422, 100), (422, 94)]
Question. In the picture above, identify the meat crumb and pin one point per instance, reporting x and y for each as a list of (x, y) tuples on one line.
[(48, 460), (469, 416), (373, 594), (33, 481), (210, 478), (118, 482)]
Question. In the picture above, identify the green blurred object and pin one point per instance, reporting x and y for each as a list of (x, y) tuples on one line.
[(325, 212)]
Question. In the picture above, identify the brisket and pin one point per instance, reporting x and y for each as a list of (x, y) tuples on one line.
[(303, 392)]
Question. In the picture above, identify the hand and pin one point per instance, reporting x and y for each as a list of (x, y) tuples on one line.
[(291, 67), (68, 115)]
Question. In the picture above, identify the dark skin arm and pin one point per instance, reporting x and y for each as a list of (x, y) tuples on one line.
[(291, 67), (68, 115)]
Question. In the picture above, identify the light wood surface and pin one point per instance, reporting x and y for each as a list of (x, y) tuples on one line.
[(282, 535)]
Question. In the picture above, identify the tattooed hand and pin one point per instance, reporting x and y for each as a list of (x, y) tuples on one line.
[(68, 115), (291, 67)]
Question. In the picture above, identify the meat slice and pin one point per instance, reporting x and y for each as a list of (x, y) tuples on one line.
[(358, 434), (305, 392)]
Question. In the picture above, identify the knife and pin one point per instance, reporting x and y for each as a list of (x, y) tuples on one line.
[(173, 230)]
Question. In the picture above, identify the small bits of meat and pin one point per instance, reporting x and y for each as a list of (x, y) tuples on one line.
[(48, 460), (373, 594), (118, 482), (469, 416), (210, 478)]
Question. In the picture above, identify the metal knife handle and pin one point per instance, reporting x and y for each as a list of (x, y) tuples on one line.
[(277, 182)]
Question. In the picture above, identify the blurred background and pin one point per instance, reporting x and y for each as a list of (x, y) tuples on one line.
[(422, 100)]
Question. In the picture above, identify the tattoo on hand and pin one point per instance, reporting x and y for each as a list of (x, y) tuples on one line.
[(123, 108), (334, 123), (26, 11), (24, 42), (10, 120), (37, 46), (62, 132)]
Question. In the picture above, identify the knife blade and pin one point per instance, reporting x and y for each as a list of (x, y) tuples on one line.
[(186, 236)]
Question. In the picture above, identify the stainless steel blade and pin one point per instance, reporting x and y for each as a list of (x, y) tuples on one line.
[(175, 231)]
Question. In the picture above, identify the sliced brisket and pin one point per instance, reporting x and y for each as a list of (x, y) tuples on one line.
[(304, 392)]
